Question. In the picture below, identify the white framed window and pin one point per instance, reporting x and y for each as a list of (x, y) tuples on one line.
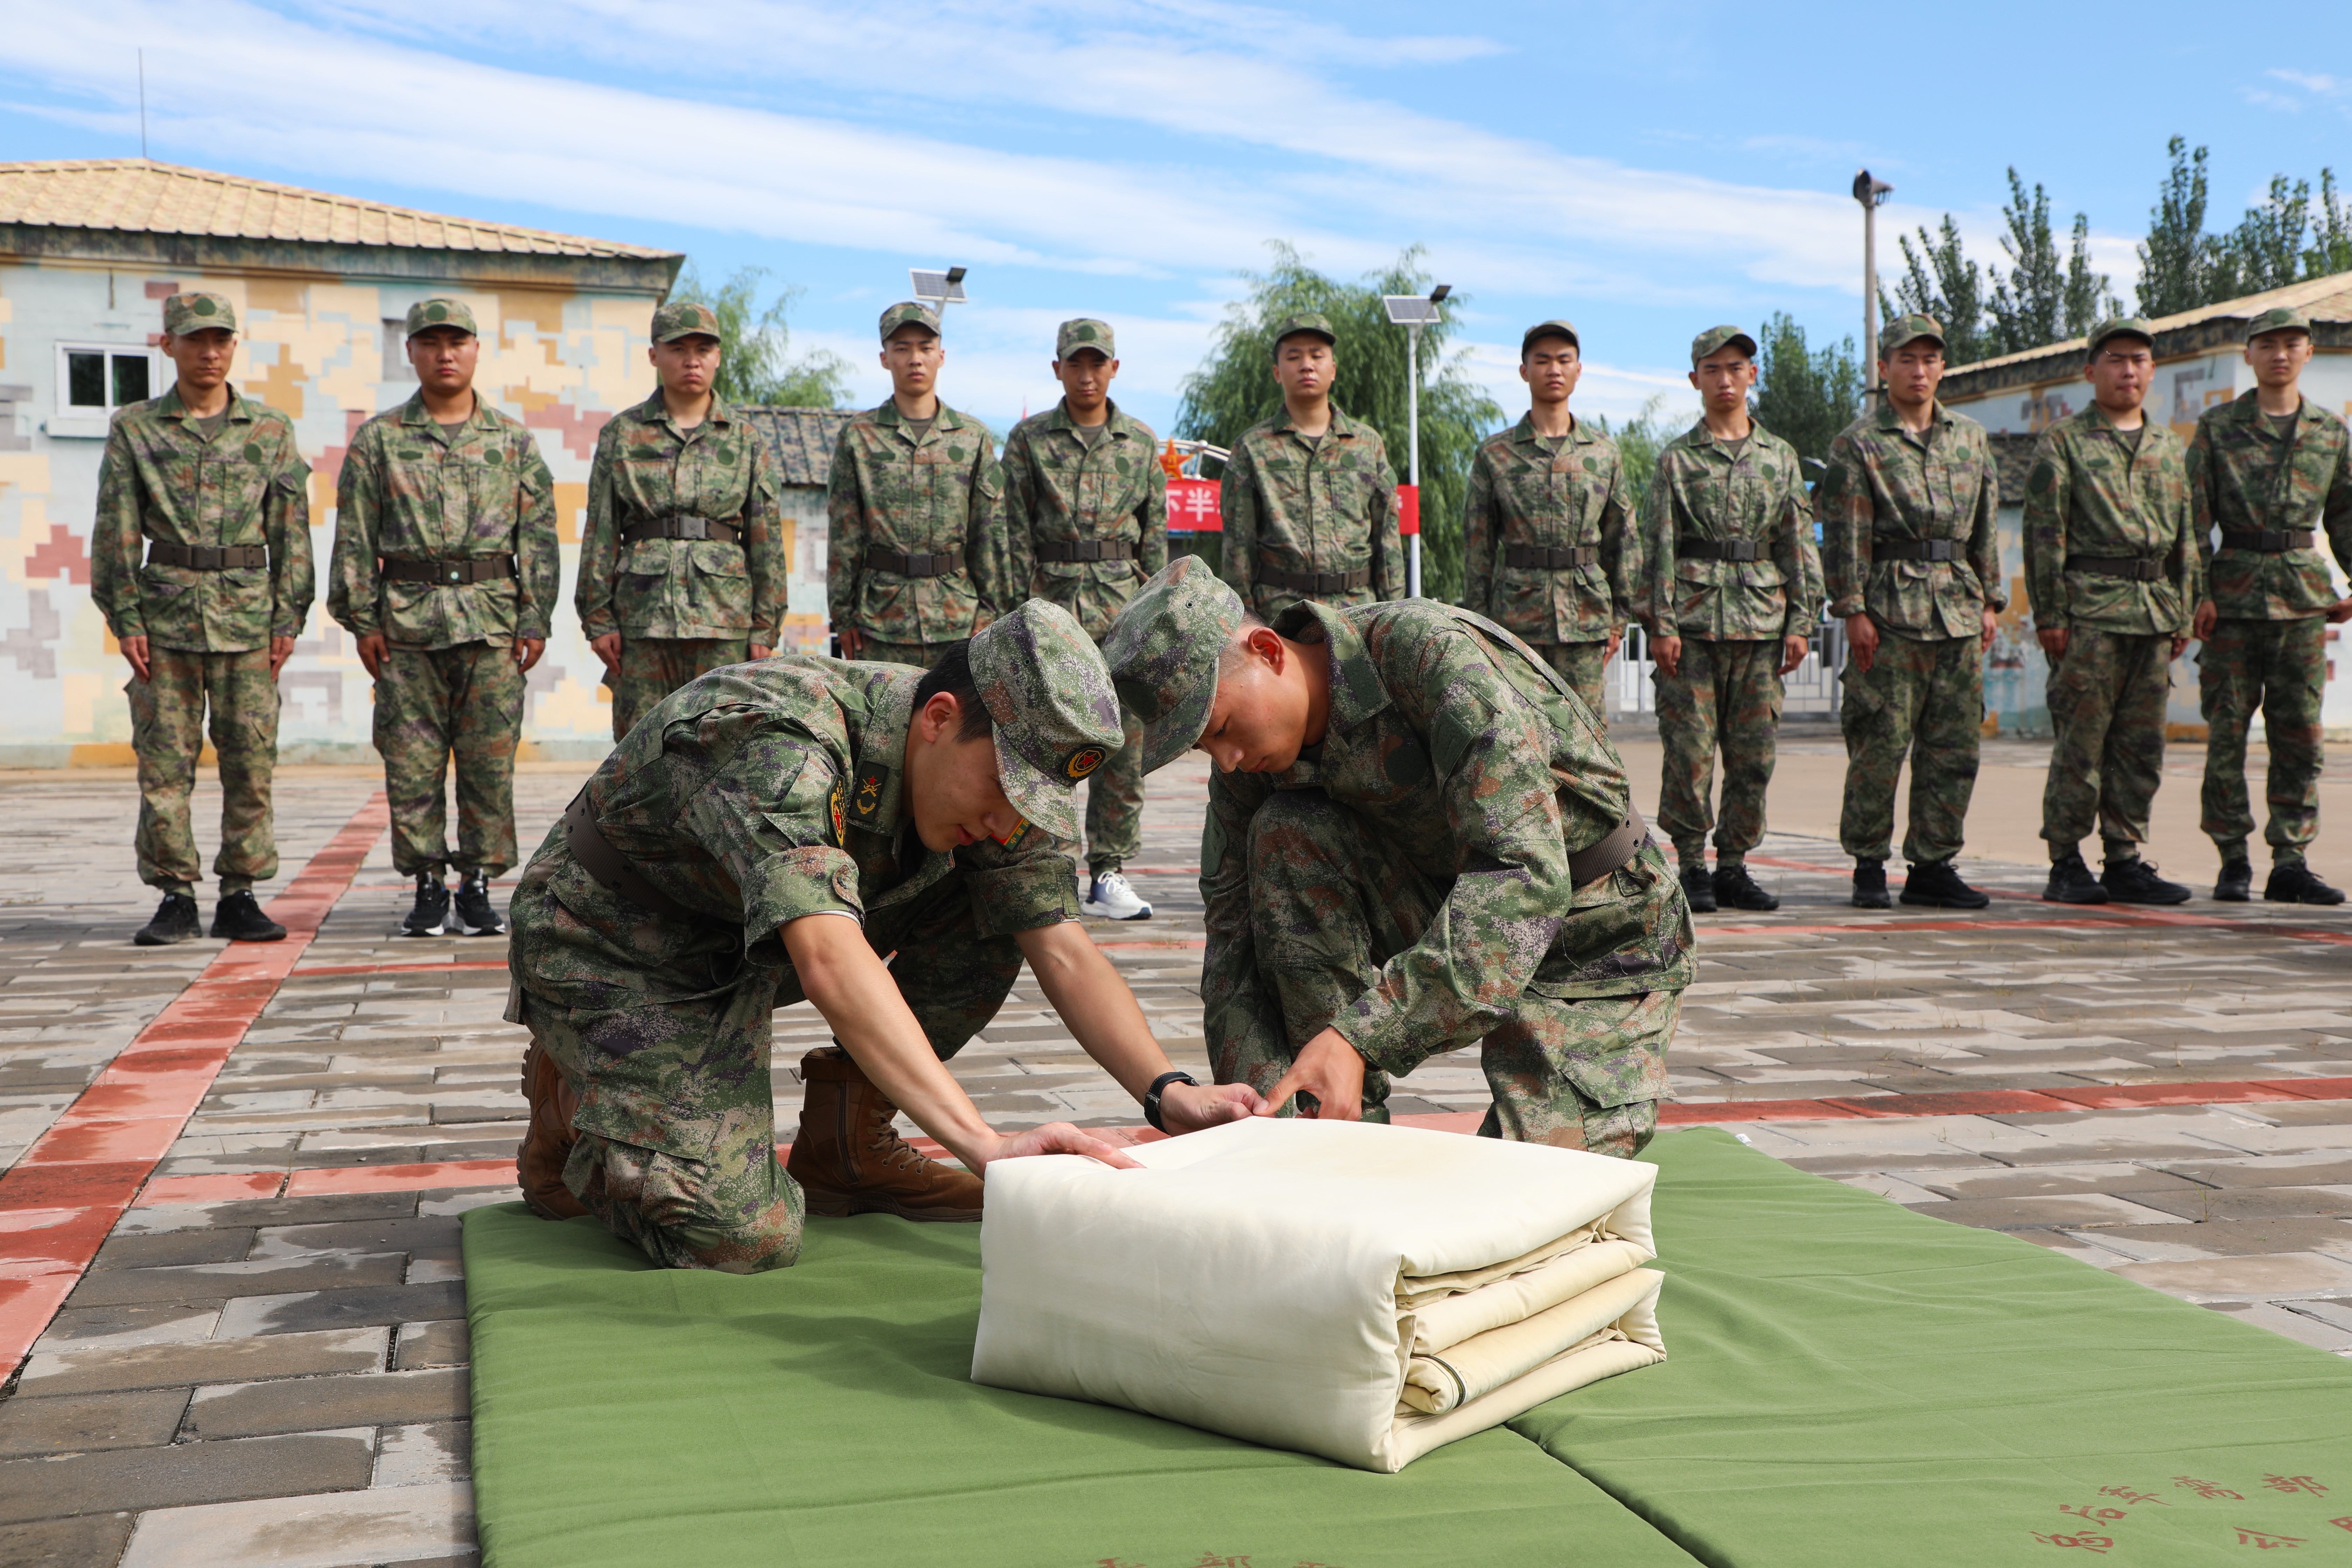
[(96, 379), (397, 370)]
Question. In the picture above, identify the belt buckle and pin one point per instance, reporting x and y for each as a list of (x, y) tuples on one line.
[(693, 528)]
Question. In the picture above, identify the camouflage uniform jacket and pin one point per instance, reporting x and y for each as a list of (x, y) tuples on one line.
[(925, 497), (752, 796), (248, 485), (1302, 505), (646, 468), (410, 491), (1702, 490), (1522, 494), (2087, 494), (1057, 490), (2244, 477), (1885, 481), (1449, 735)]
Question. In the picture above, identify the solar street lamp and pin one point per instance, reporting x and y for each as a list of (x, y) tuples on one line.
[(939, 290), (1872, 193), (1413, 312)]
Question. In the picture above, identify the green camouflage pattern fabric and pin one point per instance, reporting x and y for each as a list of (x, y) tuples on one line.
[(185, 313), (1163, 652), (2278, 667), (1583, 664), (1059, 491), (1885, 481), (1921, 699), (1908, 329), (162, 479), (411, 491), (168, 731), (2243, 476), (1714, 338), (2278, 319), (1085, 333), (1296, 505), (2107, 753), (1527, 490), (924, 497), (685, 319), (1726, 695), (427, 314), (755, 796), (1115, 804), (1703, 488), (2088, 494), (463, 701), (921, 655), (653, 667), (646, 468), (1474, 772), (909, 311), (1058, 718)]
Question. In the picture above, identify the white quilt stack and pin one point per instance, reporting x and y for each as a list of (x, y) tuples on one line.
[(1361, 1292)]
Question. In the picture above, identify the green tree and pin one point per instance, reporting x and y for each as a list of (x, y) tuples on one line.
[(755, 367), (1805, 397), (2331, 236), (1235, 388), (2044, 298), (1940, 281), (2181, 265), (1639, 441)]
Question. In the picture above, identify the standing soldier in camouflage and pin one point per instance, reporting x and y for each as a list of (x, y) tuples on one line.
[(210, 484), (1735, 591), (916, 556), (1086, 521), (2111, 572), (1552, 553), (1913, 558), (445, 570), (1308, 499), (2270, 470), (683, 567), (1418, 839)]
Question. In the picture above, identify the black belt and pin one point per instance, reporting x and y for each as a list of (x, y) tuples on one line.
[(1885, 548), (465, 569), (205, 557), (1314, 582), (613, 870), (914, 563), (2138, 568), (2269, 541), (1085, 550), (1718, 549), (1523, 557), (681, 528), (1597, 860)]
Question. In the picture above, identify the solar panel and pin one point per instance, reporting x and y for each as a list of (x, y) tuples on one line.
[(946, 287), (1412, 311)]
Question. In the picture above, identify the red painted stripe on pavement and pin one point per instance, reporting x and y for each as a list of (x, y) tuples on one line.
[(60, 1202)]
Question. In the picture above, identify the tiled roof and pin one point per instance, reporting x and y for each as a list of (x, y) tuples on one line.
[(2323, 300), (136, 195), (801, 439)]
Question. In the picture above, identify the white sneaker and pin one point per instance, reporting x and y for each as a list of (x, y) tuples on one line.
[(1111, 898)]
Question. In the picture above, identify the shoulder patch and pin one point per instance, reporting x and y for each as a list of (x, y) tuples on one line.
[(840, 799), (873, 778)]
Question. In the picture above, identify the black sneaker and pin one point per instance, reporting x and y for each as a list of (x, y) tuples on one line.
[(2236, 883), (1870, 886), (431, 915), (2134, 882), (476, 915), (1698, 887), (174, 921), (1736, 888), (238, 918), (2070, 882), (1935, 884), (2299, 884)]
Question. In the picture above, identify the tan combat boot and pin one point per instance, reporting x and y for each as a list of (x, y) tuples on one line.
[(849, 1160), (547, 1145)]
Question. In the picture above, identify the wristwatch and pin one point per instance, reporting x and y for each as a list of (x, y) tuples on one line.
[(1158, 1087)]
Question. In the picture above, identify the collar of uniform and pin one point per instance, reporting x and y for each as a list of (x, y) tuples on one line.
[(1058, 419), (1356, 690), (1703, 440), (1892, 423), (877, 790), (1580, 434), (945, 420), (169, 406), (1341, 425), (653, 411), (413, 411), (2244, 408)]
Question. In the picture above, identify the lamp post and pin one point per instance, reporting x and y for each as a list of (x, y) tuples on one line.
[(1872, 193), (1413, 312), (938, 289)]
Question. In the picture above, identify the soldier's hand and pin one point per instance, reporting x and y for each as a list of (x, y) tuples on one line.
[(136, 650), (608, 649), (527, 651), (374, 648), (1991, 629), (2053, 640), (1792, 652), (1668, 653), (1328, 1068), (280, 651), (1861, 640), (853, 641), (2179, 642), (2200, 624), (758, 650), (1061, 1138), (1188, 1108), (2338, 613)]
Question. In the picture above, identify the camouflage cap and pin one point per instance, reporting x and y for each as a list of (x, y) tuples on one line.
[(426, 314), (1715, 338), (1908, 329), (1085, 332), (1057, 717), (198, 314), (906, 312), (2119, 327), (1164, 650), (1555, 328), (1314, 324), (2278, 319), (684, 319)]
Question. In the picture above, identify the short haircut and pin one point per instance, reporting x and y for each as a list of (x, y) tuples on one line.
[(953, 675), (1238, 646)]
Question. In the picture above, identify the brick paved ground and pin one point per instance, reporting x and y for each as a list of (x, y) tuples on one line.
[(265, 1364)]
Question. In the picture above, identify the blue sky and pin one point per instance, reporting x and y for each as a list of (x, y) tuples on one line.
[(1646, 170)]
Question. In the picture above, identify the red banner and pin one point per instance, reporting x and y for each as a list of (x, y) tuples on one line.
[(1192, 507), (1409, 509)]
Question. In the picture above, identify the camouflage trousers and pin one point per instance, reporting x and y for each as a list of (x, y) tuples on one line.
[(1581, 664), (1332, 900), (2107, 753), (653, 667), (696, 1184), (2279, 667), (1924, 699), (1115, 804), (921, 655), (432, 704), (1726, 694), (167, 731)]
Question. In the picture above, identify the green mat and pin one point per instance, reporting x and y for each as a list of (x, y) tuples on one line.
[(1846, 1382)]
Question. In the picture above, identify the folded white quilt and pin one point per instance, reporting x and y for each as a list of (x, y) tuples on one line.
[(1361, 1292)]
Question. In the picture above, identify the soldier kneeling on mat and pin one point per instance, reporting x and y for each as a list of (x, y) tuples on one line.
[(1418, 839), (778, 831)]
